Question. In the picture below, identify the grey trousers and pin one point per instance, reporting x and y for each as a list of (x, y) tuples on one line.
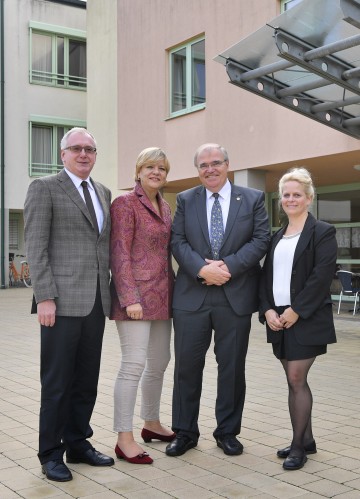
[(145, 354)]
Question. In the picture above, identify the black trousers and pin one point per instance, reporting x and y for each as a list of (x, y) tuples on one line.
[(69, 372), (193, 334)]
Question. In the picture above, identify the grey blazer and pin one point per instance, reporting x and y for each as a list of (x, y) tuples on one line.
[(63, 251), (245, 242)]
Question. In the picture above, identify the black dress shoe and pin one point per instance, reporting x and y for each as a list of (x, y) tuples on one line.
[(309, 449), (91, 456), (294, 462), (57, 471), (230, 445), (180, 445)]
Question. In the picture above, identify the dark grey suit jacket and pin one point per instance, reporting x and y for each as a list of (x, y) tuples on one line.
[(312, 272), (63, 251), (245, 242)]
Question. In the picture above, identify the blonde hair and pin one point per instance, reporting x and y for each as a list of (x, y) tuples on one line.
[(301, 175), (150, 156)]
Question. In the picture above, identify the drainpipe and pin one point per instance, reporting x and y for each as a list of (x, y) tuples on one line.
[(2, 148)]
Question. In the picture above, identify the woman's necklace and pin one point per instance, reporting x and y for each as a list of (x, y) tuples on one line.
[(292, 235)]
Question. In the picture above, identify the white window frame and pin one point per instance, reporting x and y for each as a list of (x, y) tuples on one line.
[(53, 78), (189, 108)]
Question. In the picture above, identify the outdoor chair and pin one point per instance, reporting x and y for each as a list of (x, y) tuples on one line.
[(345, 278)]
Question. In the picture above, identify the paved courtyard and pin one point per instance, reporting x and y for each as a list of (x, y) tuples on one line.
[(204, 472)]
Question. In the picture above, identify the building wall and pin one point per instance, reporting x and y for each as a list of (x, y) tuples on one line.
[(128, 108), (23, 100), (256, 133), (103, 76)]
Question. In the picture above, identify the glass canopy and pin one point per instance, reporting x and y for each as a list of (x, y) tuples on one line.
[(308, 60)]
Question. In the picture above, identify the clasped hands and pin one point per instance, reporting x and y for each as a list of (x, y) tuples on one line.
[(284, 321), (214, 273)]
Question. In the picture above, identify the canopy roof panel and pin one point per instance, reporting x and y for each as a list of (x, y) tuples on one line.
[(308, 60)]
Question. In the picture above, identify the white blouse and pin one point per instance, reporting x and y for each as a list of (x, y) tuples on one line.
[(283, 262)]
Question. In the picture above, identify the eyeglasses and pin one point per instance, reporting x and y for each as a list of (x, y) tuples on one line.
[(78, 149), (213, 164)]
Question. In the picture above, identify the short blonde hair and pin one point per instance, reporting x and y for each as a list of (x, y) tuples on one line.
[(301, 175), (150, 156)]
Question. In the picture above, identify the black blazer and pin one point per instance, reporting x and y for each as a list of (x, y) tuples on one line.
[(245, 242), (312, 272)]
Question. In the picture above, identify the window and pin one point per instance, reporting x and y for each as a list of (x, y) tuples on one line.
[(45, 138), (13, 231), (57, 58), (288, 4), (343, 210), (187, 78)]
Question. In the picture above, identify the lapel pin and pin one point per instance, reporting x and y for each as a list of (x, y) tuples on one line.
[(238, 198)]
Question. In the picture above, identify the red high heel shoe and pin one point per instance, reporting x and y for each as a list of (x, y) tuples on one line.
[(148, 435), (143, 458)]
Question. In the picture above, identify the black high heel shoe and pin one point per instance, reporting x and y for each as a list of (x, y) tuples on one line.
[(148, 435)]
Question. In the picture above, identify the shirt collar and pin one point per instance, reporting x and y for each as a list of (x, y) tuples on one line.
[(77, 180), (224, 192)]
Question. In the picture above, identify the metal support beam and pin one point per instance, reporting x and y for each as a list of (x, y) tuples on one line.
[(351, 11), (316, 61), (302, 103), (264, 70), (327, 106), (298, 89)]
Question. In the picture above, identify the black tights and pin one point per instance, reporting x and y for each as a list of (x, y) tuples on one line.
[(300, 402)]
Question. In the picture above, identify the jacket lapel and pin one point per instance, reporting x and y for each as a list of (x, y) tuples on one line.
[(234, 207), (200, 204), (103, 203), (305, 236), (69, 188), (147, 203)]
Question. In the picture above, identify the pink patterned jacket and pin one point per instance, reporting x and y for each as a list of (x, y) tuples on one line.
[(140, 256)]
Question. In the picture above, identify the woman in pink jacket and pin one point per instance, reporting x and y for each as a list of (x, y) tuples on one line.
[(141, 287)]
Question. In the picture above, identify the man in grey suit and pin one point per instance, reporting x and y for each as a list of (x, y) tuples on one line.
[(67, 231), (220, 233)]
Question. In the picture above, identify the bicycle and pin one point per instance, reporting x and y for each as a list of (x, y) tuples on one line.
[(15, 277)]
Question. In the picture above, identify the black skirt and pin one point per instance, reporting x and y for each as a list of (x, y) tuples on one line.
[(289, 348)]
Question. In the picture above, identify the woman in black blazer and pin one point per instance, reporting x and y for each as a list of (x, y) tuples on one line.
[(295, 303)]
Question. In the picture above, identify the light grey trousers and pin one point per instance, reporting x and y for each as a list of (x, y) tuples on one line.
[(145, 354)]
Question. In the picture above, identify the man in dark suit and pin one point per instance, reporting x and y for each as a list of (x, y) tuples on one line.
[(218, 249), (67, 243)]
